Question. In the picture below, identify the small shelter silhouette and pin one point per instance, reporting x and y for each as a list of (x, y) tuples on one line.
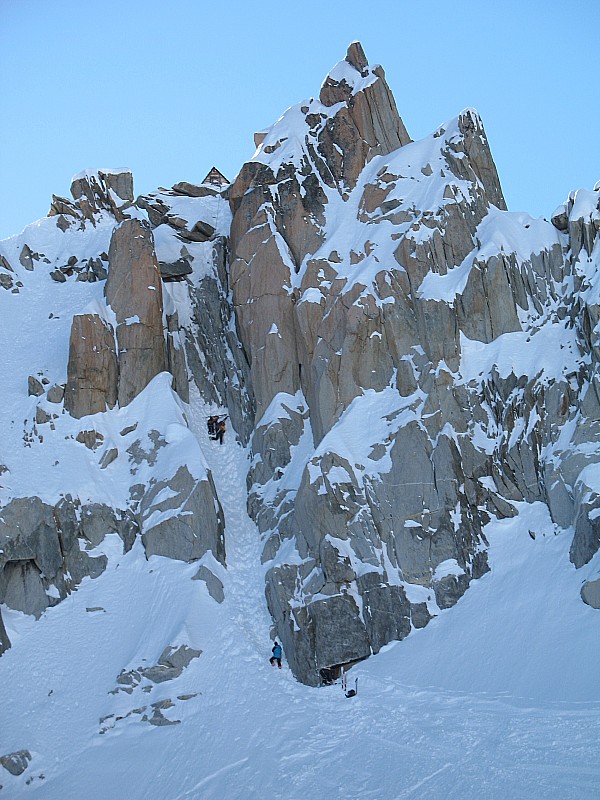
[(216, 178)]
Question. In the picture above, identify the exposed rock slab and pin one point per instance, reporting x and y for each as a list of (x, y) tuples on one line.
[(134, 292), (190, 522), (92, 373), (213, 584), (39, 549)]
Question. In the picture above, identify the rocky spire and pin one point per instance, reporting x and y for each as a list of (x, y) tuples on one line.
[(356, 56), (371, 105), (474, 144), (106, 365), (134, 292), (314, 146)]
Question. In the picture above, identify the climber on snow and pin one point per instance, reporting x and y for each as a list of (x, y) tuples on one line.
[(220, 430), (276, 657), (212, 425), (216, 427)]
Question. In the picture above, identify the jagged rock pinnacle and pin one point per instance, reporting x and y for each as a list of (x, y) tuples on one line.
[(356, 56)]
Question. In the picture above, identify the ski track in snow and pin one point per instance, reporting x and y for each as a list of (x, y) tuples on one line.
[(252, 731)]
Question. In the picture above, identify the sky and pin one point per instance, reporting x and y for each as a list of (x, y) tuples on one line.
[(171, 89)]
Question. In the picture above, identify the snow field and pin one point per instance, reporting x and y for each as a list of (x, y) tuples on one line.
[(497, 698)]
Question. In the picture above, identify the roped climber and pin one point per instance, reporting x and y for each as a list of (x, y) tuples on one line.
[(277, 653), (212, 426), (216, 427), (220, 430)]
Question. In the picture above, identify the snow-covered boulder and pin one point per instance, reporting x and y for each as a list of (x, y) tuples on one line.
[(182, 518)]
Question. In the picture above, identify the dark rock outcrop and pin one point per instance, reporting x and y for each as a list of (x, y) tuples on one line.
[(4, 640), (175, 270), (215, 356), (39, 551), (16, 763)]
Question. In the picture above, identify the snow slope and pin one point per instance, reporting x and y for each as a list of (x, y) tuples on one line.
[(497, 698)]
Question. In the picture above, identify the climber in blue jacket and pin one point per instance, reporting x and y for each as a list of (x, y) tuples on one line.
[(276, 657)]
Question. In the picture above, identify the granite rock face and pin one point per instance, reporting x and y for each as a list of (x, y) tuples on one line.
[(41, 560), (375, 283), (278, 207), (195, 271), (369, 125), (215, 356), (107, 189), (573, 496), (115, 353), (318, 342), (188, 523), (406, 360), (93, 368), (134, 292)]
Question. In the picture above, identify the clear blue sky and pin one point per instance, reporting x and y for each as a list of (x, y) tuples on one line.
[(170, 88)]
